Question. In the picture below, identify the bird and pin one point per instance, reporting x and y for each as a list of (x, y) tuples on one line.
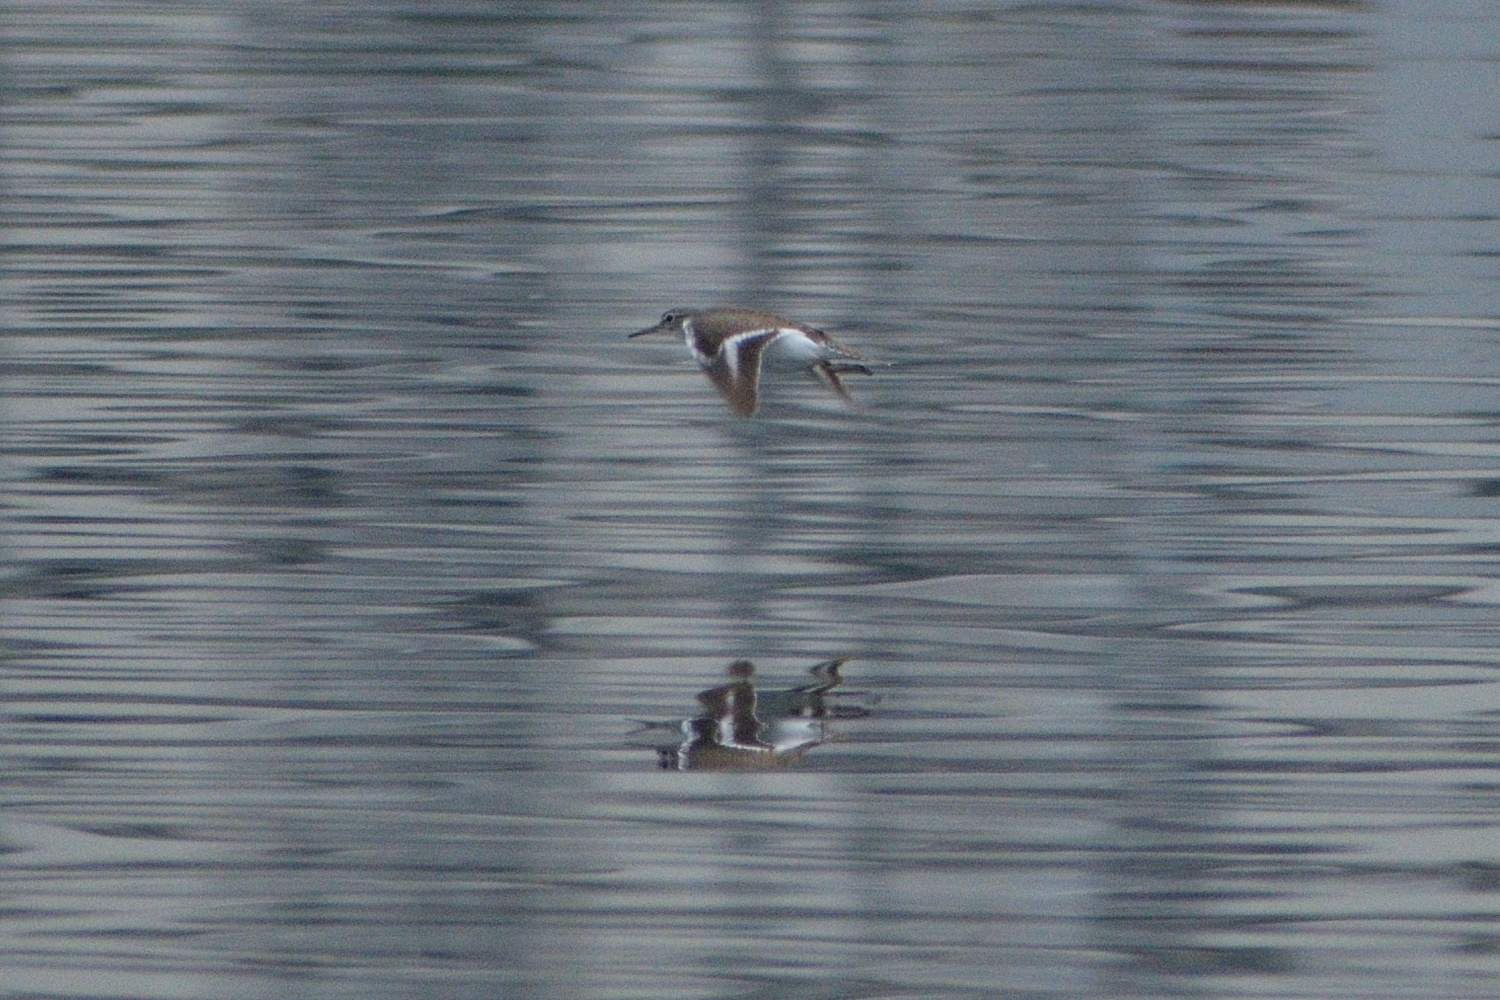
[(730, 343)]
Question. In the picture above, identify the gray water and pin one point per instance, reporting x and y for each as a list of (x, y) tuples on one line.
[(362, 585)]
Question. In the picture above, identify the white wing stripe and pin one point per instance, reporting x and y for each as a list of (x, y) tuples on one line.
[(730, 350)]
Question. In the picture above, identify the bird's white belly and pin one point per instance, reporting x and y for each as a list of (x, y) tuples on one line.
[(793, 348)]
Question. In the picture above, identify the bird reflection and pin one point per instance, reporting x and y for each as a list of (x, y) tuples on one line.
[(743, 728)]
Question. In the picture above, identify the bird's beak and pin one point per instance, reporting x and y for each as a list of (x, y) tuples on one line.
[(650, 329)]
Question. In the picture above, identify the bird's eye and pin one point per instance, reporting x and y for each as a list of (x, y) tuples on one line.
[(669, 317)]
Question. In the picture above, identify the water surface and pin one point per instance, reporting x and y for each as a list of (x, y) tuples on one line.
[(359, 577)]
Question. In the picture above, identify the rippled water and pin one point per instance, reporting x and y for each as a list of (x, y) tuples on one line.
[(378, 622)]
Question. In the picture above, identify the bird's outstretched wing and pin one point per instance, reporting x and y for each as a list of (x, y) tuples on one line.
[(735, 369)]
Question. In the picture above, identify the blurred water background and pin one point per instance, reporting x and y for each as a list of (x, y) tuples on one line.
[(359, 578)]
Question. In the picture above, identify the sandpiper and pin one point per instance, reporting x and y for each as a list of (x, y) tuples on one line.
[(730, 343)]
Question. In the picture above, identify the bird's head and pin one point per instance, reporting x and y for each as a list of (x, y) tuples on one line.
[(671, 322)]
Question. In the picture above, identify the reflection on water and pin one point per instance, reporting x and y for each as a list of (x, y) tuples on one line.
[(742, 726), (345, 540)]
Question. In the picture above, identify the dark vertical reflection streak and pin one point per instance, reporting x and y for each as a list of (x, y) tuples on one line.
[(1151, 744), (356, 84), (772, 100)]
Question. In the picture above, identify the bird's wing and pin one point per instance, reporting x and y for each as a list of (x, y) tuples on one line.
[(735, 369)]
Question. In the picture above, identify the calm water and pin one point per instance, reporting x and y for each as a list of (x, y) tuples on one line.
[(379, 623)]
